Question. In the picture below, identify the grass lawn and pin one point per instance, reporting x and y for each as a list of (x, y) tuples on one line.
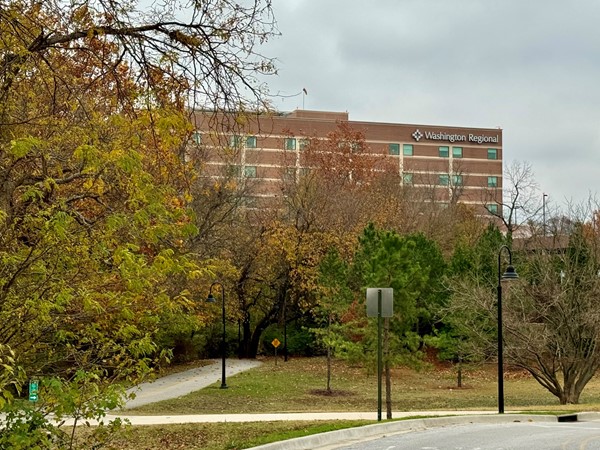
[(219, 436), (298, 385)]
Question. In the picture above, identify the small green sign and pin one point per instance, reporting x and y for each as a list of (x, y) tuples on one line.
[(33, 390)]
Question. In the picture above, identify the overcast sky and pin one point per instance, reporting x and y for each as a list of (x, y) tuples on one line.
[(531, 67)]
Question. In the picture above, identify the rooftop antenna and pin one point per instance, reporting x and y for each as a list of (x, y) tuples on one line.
[(283, 97)]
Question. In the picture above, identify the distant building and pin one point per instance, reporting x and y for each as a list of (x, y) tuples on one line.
[(461, 164)]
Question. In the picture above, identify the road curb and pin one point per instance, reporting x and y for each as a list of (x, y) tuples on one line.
[(367, 432)]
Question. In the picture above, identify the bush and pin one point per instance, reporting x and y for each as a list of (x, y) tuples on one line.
[(300, 341)]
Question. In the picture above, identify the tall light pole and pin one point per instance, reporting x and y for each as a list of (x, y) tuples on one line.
[(544, 211), (211, 299), (510, 274)]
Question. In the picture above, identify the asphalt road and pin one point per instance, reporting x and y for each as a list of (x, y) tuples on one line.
[(500, 436)]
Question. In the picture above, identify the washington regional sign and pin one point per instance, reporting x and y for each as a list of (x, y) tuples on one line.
[(441, 136)]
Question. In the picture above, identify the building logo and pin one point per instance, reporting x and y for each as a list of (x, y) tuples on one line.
[(417, 135), (442, 136)]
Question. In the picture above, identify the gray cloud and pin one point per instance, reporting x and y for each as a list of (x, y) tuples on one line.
[(531, 67)]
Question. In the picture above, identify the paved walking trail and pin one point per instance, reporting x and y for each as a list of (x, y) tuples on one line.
[(182, 383)]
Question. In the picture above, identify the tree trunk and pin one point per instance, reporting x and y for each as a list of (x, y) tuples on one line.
[(251, 338), (328, 368), (569, 398), (256, 335), (569, 394)]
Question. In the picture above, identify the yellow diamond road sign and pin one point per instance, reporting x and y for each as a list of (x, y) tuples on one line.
[(275, 342)]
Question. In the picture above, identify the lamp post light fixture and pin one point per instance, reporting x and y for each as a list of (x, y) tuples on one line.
[(211, 299), (509, 274)]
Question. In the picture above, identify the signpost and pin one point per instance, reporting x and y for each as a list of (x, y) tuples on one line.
[(275, 343), (33, 390), (380, 303)]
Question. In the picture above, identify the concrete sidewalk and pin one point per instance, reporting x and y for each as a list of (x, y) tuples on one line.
[(182, 383), (274, 417)]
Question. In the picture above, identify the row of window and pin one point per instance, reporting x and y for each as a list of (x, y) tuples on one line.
[(234, 141), (251, 142), (444, 179), (290, 143), (393, 148), (251, 172), (492, 208), (443, 151), (407, 178)]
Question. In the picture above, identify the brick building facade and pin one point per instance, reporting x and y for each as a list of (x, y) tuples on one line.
[(460, 163)]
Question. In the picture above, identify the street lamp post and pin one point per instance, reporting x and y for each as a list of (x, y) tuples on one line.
[(544, 212), (510, 274), (211, 299)]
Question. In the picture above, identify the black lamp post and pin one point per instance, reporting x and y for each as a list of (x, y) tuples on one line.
[(510, 274), (211, 299), (544, 212)]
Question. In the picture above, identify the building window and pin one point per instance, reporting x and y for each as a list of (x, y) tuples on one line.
[(443, 152), (407, 178), (232, 170), (492, 153), (251, 142), (492, 208), (394, 149), (492, 181), (457, 180), (457, 152), (303, 143), (250, 171), (407, 149), (289, 143), (235, 141), (444, 179), (197, 137), (289, 174)]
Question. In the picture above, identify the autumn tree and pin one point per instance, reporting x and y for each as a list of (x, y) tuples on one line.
[(282, 247), (94, 189)]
